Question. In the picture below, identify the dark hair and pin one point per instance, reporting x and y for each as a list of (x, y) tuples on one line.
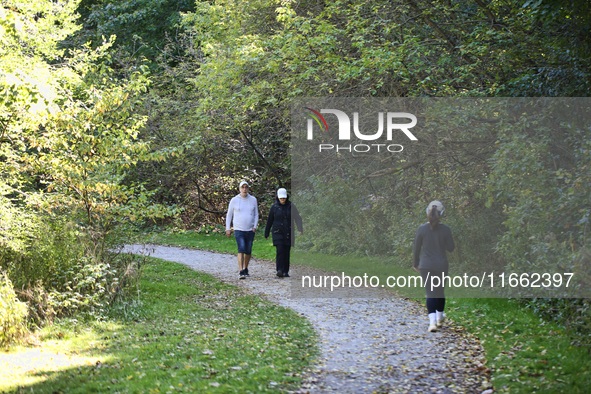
[(434, 217)]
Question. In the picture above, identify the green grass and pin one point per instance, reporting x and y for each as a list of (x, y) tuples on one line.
[(525, 353), (184, 332), (214, 241)]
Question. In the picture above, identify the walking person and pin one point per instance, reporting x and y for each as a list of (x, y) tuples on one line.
[(432, 241), (243, 213), (282, 216)]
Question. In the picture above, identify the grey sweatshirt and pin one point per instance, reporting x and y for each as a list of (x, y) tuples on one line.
[(434, 244)]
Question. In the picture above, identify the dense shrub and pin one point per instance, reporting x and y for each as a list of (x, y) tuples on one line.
[(49, 247), (573, 314), (12, 313), (57, 269)]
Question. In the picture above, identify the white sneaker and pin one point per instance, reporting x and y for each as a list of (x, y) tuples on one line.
[(432, 320), (441, 320)]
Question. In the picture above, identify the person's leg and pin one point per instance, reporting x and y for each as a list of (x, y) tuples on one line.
[(439, 295), (430, 290), (286, 260), (278, 263), (440, 316), (431, 293), (439, 308), (240, 261), (431, 305), (280, 260), (248, 240), (241, 243)]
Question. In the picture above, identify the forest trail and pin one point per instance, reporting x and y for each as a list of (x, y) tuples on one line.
[(368, 345)]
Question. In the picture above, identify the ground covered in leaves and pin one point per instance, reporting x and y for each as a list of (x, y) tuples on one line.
[(378, 344)]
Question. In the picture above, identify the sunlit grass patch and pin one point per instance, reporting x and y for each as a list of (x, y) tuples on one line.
[(188, 333)]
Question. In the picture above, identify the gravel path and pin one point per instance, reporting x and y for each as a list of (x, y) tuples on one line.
[(368, 345)]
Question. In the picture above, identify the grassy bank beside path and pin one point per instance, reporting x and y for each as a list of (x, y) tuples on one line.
[(184, 332), (526, 354)]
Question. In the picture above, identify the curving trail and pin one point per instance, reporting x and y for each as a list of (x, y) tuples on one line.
[(368, 345)]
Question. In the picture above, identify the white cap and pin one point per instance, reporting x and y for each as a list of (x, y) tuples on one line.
[(243, 183), (281, 193), (438, 205)]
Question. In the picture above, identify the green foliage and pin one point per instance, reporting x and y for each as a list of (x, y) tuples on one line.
[(573, 314), (340, 220), (68, 135), (86, 147), (48, 247), (476, 235), (83, 139), (87, 285), (143, 27), (12, 313), (34, 28), (402, 48), (58, 272), (541, 178), (244, 71)]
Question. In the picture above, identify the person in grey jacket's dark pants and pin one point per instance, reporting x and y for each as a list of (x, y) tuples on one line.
[(432, 241), (282, 216)]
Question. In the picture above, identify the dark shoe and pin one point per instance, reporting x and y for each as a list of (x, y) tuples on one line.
[(280, 274), (246, 272), (242, 275), (286, 275)]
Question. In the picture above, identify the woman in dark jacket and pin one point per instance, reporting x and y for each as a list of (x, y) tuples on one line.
[(282, 216)]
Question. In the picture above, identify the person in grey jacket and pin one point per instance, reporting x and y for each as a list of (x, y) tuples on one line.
[(432, 241), (282, 216)]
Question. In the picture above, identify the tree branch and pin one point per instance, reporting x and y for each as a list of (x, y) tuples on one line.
[(489, 13), (261, 156), (433, 25), (390, 170), (219, 213)]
